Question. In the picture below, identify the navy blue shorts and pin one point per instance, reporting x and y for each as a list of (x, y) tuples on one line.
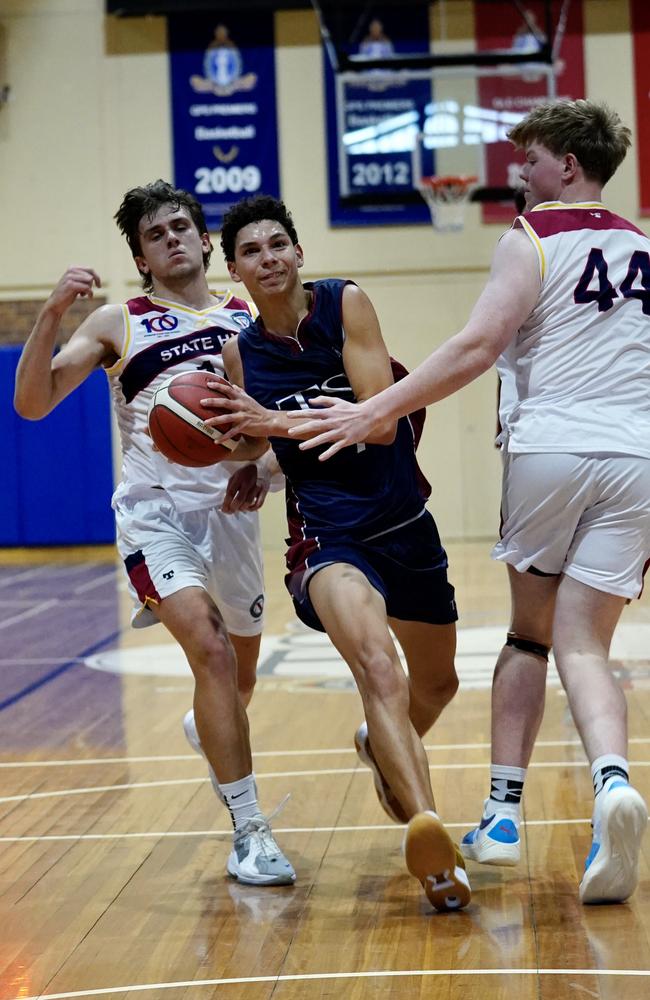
[(408, 566)]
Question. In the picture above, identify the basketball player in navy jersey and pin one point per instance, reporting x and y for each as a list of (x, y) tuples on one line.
[(565, 315), (364, 552), (179, 530)]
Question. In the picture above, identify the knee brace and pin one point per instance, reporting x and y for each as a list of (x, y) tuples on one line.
[(527, 645)]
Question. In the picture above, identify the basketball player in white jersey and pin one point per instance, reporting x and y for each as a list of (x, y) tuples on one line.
[(181, 532), (566, 316)]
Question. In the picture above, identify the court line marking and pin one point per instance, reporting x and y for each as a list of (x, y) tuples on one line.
[(320, 976), (168, 782), (35, 609), (22, 575), (53, 674), (166, 758), (83, 588), (161, 834)]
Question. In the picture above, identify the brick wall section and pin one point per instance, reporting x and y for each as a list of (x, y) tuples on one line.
[(18, 317)]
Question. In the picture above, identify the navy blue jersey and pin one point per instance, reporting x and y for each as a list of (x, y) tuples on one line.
[(364, 489)]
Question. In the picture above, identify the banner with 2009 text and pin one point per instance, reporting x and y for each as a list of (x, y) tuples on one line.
[(224, 117)]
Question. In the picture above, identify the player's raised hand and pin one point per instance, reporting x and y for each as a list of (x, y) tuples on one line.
[(336, 422), (244, 415), (76, 283)]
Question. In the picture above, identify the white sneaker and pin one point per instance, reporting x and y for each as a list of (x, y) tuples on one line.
[(612, 866), (192, 737), (433, 858), (495, 841), (256, 859)]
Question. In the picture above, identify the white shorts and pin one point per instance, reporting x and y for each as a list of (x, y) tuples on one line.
[(165, 551), (584, 515)]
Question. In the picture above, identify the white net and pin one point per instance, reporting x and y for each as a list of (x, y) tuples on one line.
[(447, 198)]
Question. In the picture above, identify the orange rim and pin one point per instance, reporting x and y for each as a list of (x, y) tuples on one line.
[(435, 183)]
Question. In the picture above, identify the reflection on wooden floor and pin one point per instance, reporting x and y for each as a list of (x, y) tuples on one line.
[(113, 846)]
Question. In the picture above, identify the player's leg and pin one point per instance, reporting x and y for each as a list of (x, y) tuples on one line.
[(584, 626), (542, 499), (518, 693), (194, 620), (411, 569), (232, 552), (163, 554), (353, 613), (432, 679), (222, 725), (229, 549), (432, 683), (604, 568), (247, 651)]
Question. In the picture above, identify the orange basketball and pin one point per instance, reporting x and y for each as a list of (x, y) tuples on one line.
[(177, 421)]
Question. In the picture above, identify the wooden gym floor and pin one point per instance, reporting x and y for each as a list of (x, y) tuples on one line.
[(112, 845)]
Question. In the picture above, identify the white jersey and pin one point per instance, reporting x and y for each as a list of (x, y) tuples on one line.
[(162, 339), (577, 376)]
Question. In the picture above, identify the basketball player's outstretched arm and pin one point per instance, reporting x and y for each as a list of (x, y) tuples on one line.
[(42, 380), (365, 360), (504, 304)]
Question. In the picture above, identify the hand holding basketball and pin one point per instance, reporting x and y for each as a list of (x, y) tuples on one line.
[(178, 420), (239, 412)]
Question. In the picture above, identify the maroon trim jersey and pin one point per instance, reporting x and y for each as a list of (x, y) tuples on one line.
[(577, 376), (162, 339)]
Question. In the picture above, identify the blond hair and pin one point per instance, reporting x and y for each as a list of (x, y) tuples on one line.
[(592, 131)]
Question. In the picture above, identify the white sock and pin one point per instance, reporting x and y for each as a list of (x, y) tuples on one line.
[(241, 800)]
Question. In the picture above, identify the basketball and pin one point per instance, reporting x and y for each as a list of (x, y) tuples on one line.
[(177, 421)]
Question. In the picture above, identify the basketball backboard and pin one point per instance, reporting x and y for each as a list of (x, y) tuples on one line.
[(406, 111)]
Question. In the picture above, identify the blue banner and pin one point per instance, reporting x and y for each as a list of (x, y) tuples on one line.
[(372, 128), (223, 108)]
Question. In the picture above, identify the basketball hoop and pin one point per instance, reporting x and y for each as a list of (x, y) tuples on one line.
[(446, 197)]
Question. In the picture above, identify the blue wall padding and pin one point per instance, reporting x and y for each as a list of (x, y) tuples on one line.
[(58, 476)]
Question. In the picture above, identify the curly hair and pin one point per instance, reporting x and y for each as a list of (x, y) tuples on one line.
[(592, 131), (141, 202), (261, 206)]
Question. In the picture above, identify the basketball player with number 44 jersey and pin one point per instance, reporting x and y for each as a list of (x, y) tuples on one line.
[(180, 531), (566, 317)]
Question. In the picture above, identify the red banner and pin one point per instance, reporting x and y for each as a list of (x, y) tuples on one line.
[(500, 26), (640, 13)]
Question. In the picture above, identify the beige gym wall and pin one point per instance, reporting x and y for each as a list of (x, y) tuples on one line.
[(89, 117)]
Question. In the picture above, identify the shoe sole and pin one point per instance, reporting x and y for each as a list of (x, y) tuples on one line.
[(502, 855), (433, 858), (613, 874), (251, 880), (390, 806)]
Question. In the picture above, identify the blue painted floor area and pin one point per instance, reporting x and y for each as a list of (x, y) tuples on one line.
[(51, 617)]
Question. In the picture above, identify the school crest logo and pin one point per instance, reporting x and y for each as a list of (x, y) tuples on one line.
[(223, 68)]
